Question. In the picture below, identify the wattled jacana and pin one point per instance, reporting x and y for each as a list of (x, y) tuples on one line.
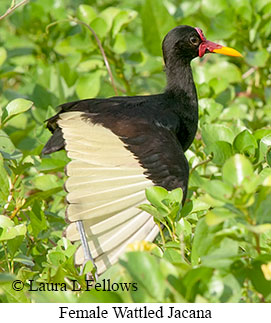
[(121, 145)]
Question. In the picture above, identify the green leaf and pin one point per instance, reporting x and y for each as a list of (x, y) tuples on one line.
[(42, 195), (189, 8), (3, 55), (143, 268), (56, 296), (268, 157), (236, 169), (46, 182), (265, 144), (211, 8), (155, 195), (257, 58), (119, 46), (216, 132), (108, 15), (10, 231), (156, 22), (90, 64), (260, 133), (56, 257), (210, 108), (175, 195), (174, 256), (100, 27), (88, 86), (245, 142), (224, 70), (193, 279), (15, 107), (6, 277), (153, 211), (4, 180), (14, 296), (37, 218), (265, 176), (14, 245), (218, 215), (88, 267), (23, 259), (218, 30), (218, 189), (221, 150), (258, 280), (6, 145), (50, 164), (251, 183), (122, 18), (69, 74), (86, 13), (203, 240), (260, 210), (259, 229), (232, 289), (5, 222), (243, 8), (222, 255)]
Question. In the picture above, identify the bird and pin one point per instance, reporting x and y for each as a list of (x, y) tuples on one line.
[(121, 145)]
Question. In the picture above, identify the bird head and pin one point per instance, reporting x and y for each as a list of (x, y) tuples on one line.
[(185, 43)]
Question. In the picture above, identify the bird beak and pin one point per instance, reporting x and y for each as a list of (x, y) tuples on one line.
[(209, 47), (216, 48)]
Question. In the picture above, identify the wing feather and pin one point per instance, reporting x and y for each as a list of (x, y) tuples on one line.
[(105, 186), (147, 232)]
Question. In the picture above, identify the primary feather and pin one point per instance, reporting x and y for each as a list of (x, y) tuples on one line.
[(107, 195)]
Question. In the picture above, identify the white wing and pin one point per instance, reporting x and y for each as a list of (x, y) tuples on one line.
[(105, 185)]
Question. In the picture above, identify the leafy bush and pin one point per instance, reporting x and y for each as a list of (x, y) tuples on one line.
[(217, 247)]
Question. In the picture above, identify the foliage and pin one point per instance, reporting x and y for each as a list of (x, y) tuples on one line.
[(214, 249)]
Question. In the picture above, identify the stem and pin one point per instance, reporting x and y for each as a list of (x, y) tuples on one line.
[(172, 231), (161, 233), (182, 245), (10, 197), (101, 50), (249, 72), (122, 74), (6, 256), (257, 239), (122, 89), (13, 7), (200, 164), (256, 235), (98, 42)]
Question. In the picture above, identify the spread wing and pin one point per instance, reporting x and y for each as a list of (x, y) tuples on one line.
[(112, 162), (105, 186)]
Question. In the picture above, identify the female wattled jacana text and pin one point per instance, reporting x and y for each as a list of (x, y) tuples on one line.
[(121, 145)]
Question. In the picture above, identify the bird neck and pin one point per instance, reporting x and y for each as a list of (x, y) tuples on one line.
[(181, 91), (180, 81)]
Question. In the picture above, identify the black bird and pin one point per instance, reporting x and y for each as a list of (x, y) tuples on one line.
[(119, 146)]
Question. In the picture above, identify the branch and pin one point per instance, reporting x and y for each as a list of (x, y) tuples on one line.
[(249, 72), (200, 164), (101, 50), (13, 7), (98, 42)]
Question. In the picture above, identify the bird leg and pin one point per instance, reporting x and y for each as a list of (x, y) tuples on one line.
[(87, 254)]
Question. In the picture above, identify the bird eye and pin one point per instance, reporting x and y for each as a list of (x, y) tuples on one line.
[(194, 40)]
